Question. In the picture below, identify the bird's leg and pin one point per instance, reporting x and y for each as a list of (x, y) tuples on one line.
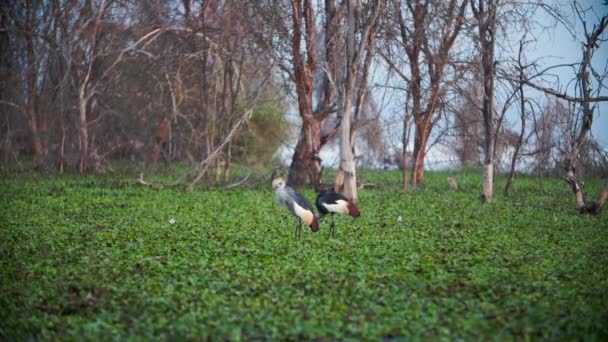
[(299, 228), (295, 235), (332, 227)]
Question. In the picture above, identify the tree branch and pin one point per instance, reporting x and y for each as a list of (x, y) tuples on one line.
[(554, 92)]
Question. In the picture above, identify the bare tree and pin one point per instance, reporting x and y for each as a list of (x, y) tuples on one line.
[(108, 79), (346, 179), (591, 44), (306, 155), (33, 118), (485, 15), (427, 31), (584, 100), (86, 53), (522, 115), (305, 161)]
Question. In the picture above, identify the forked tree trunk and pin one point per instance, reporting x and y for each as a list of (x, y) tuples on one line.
[(585, 207), (305, 161), (573, 159), (417, 37)]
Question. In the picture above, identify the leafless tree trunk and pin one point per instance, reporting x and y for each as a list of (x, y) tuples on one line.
[(407, 125), (591, 44), (88, 48), (485, 14), (585, 85), (522, 114), (33, 119), (428, 54), (306, 155), (346, 180), (305, 160)]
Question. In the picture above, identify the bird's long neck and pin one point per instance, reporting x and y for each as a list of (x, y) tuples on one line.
[(283, 195)]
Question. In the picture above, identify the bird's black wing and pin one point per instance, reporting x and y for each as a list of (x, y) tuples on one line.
[(302, 201), (328, 197)]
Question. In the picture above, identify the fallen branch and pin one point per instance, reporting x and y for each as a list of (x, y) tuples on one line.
[(204, 164), (141, 181), (230, 186), (366, 185)]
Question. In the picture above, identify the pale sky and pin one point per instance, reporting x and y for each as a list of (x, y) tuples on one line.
[(555, 45)]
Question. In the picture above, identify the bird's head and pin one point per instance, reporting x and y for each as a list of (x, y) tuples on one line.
[(278, 183)]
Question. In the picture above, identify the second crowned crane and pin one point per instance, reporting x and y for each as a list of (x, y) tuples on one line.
[(331, 202)]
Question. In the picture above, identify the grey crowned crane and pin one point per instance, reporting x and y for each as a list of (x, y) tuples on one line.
[(331, 202), (297, 204)]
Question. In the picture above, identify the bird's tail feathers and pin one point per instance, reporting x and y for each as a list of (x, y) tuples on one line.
[(353, 210), (314, 225)]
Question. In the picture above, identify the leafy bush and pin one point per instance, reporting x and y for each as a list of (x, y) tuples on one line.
[(265, 131)]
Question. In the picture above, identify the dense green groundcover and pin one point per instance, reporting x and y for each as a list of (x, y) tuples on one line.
[(94, 257)]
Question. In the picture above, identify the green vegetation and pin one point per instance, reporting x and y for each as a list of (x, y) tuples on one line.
[(264, 133), (93, 257)]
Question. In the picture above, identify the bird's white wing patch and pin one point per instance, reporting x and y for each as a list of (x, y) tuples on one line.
[(303, 213), (341, 207)]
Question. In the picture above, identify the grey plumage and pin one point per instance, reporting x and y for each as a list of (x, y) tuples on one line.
[(297, 204)]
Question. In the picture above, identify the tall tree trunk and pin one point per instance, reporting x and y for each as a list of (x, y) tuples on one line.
[(356, 69), (164, 128), (405, 142), (347, 175), (522, 112), (32, 94), (305, 162), (486, 20), (346, 178), (161, 135), (420, 142), (423, 45), (572, 160), (83, 131), (583, 76), (84, 91)]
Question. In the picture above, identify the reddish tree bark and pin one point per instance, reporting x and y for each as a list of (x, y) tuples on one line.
[(305, 162), (415, 40)]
